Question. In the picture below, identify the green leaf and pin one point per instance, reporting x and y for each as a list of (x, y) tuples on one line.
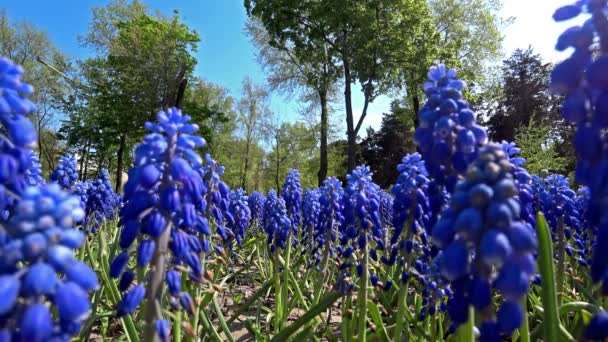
[(551, 323), (377, 318), (323, 305)]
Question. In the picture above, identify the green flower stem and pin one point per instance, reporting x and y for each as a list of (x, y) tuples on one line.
[(177, 327), (524, 331), (561, 263), (285, 284), (362, 296), (401, 307), (220, 317), (154, 286), (277, 289)]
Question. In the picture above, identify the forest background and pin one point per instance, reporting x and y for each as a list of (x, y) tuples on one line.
[(324, 87)]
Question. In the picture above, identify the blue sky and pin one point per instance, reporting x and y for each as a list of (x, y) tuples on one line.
[(226, 56)]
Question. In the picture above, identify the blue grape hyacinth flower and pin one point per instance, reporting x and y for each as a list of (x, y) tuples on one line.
[(38, 270), (448, 135), (484, 243), (277, 224), (217, 198), (241, 214), (101, 203), (65, 173), (329, 220), (292, 194), (361, 227), (18, 165), (310, 217), (256, 205), (582, 79), (34, 172), (164, 210)]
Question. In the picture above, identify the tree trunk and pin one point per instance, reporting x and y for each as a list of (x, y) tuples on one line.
[(181, 90), (81, 169), (350, 129), (416, 107), (86, 161), (121, 152), (323, 152), (276, 175), (244, 181)]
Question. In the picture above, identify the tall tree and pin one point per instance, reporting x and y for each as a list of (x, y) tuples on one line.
[(467, 37), (367, 37), (525, 95), (383, 150), (252, 110), (302, 69), (143, 62)]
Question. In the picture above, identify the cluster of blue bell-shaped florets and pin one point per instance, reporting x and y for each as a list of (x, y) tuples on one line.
[(523, 180), (277, 224), (240, 214), (163, 210), (38, 271), (448, 135), (101, 203), (34, 173), (17, 136), (311, 209), (65, 174), (256, 205), (330, 219), (217, 198), (582, 78), (361, 226), (292, 194), (486, 245)]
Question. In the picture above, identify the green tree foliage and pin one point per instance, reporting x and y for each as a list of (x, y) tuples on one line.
[(522, 98), (540, 152), (383, 150), (211, 108), (253, 114), (307, 70), (142, 62), (525, 95), (368, 40)]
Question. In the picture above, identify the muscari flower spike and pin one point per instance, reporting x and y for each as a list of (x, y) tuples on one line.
[(484, 243), (14, 106), (448, 135), (329, 220), (240, 214), (256, 205), (163, 204), (582, 78), (292, 194), (65, 174), (523, 180), (362, 225), (17, 167), (277, 224), (34, 172), (410, 243), (102, 201), (38, 271), (217, 198), (310, 218)]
